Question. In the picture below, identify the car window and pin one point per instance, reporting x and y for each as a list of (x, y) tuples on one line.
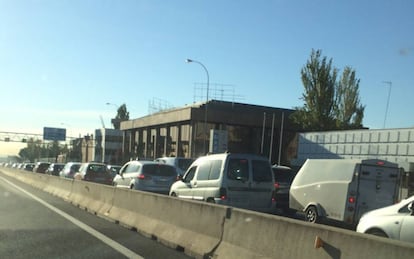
[(283, 175), (159, 170), (215, 169), (183, 164), (131, 168), (404, 209), (238, 169), (204, 171), (190, 174), (209, 170), (261, 171), (75, 168), (97, 169)]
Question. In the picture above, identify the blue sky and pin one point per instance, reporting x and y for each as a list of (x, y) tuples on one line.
[(62, 61)]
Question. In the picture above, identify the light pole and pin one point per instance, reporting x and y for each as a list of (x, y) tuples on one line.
[(205, 109), (389, 83), (117, 106)]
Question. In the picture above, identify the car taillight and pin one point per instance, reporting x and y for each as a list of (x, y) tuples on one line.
[(144, 177), (351, 199), (223, 194), (277, 185)]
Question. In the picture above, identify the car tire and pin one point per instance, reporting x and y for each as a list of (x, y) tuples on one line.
[(377, 232), (210, 200), (173, 194), (311, 215), (131, 187)]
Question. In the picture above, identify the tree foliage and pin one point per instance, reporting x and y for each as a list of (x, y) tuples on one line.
[(36, 149), (349, 112), (122, 115), (328, 104)]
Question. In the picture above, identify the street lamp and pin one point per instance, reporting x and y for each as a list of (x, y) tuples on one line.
[(389, 83), (117, 106), (205, 110)]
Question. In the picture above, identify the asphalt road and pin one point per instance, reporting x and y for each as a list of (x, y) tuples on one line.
[(35, 224)]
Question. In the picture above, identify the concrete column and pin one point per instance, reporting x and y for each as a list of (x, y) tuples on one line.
[(147, 142), (178, 143), (157, 152), (167, 150)]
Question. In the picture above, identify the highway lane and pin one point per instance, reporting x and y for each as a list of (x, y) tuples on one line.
[(35, 224)]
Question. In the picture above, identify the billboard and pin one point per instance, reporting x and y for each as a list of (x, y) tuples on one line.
[(55, 134), (218, 141)]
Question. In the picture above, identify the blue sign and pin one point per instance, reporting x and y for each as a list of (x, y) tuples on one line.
[(55, 134)]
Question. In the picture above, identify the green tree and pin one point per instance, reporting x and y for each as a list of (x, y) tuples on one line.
[(328, 104), (32, 151), (318, 78), (349, 112), (122, 115)]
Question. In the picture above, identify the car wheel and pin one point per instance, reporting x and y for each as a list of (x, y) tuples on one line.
[(377, 232), (210, 200), (173, 194), (131, 186), (311, 214)]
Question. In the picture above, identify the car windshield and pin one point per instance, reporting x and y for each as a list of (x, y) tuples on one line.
[(283, 175)]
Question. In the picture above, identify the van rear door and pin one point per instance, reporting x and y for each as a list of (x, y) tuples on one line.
[(250, 190), (262, 186), (378, 186)]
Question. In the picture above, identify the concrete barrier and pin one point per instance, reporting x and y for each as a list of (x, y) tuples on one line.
[(96, 198), (206, 230), (59, 187), (193, 227), (254, 235)]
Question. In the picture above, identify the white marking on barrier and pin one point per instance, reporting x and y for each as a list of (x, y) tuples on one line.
[(115, 245)]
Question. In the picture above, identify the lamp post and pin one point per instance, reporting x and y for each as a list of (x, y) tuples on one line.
[(117, 106), (205, 109), (389, 83)]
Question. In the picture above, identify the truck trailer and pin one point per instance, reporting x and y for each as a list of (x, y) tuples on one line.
[(344, 189)]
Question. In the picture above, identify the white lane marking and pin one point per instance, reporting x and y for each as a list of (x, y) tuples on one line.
[(115, 245)]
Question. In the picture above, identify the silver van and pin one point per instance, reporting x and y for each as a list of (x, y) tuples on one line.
[(239, 180)]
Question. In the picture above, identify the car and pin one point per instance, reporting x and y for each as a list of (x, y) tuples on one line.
[(69, 169), (55, 168), (146, 176), (41, 167), (395, 221), (181, 163), (238, 180), (28, 167), (284, 176), (113, 169), (94, 172)]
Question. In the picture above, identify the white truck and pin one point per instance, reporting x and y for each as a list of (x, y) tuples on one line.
[(344, 189)]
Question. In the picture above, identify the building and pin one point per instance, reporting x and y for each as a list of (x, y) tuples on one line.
[(108, 146), (190, 131), (394, 145)]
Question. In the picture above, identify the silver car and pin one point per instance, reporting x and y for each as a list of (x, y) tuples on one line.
[(146, 176)]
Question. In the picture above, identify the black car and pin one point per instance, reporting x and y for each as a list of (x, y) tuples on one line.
[(41, 167), (283, 179)]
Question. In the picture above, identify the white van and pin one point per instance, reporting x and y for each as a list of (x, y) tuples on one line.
[(344, 189), (239, 180)]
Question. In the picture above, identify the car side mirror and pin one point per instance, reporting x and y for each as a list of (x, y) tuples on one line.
[(411, 207)]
